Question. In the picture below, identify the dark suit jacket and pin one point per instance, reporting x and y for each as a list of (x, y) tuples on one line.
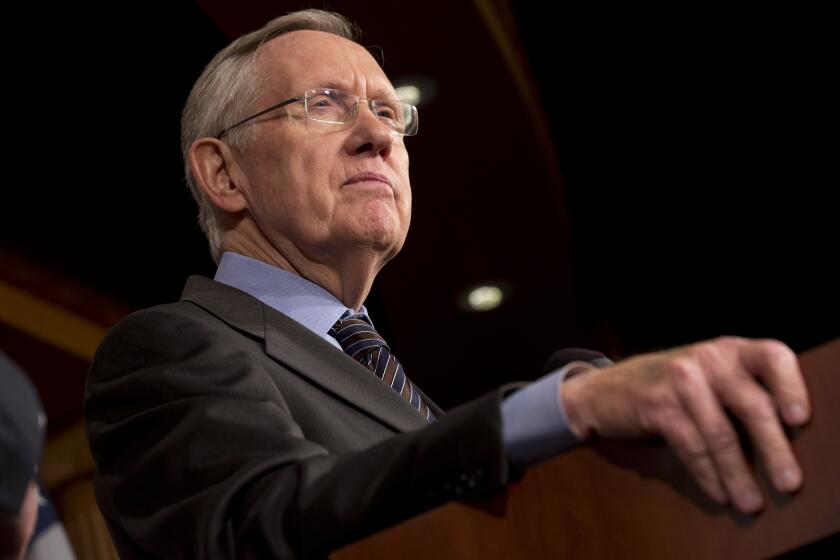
[(222, 428)]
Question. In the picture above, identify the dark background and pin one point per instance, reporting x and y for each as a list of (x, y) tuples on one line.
[(696, 151), (695, 197)]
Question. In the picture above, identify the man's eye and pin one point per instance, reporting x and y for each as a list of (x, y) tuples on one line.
[(386, 113)]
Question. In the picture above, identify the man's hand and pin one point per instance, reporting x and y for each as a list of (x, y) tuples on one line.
[(682, 395)]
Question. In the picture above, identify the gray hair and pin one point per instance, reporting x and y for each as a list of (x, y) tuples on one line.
[(227, 90)]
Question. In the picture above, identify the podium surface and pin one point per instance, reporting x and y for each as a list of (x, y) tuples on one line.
[(635, 500)]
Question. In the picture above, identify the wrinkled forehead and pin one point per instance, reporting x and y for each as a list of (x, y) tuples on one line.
[(300, 60)]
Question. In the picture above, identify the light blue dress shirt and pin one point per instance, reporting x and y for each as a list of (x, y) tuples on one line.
[(534, 424)]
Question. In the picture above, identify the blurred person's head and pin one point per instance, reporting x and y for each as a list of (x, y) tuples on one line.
[(21, 441)]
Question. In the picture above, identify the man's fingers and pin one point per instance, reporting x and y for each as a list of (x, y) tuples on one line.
[(719, 435), (754, 407), (687, 442), (777, 366)]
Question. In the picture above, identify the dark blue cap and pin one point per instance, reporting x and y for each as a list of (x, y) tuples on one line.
[(21, 434)]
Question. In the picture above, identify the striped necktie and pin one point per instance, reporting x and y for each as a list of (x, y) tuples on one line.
[(361, 342)]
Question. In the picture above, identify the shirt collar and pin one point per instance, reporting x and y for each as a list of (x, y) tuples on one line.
[(306, 302)]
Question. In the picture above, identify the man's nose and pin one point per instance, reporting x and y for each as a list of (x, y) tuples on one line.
[(369, 132)]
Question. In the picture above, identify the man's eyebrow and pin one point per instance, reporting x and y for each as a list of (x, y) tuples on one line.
[(332, 85), (382, 93)]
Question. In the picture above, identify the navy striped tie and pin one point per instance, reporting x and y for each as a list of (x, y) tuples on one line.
[(361, 342)]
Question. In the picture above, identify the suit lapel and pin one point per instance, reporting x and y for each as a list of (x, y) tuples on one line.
[(300, 350)]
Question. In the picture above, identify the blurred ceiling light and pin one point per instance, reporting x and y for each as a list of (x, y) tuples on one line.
[(485, 298), (409, 94), (416, 90)]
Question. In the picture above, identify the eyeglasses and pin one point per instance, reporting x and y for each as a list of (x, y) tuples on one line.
[(341, 107)]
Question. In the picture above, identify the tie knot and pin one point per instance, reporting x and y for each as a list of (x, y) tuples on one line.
[(359, 340), (356, 335)]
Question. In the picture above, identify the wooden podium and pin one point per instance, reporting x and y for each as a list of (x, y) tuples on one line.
[(635, 501)]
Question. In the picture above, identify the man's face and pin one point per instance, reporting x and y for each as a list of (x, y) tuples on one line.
[(304, 188)]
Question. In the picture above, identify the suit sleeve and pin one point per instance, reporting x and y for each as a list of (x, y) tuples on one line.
[(198, 457)]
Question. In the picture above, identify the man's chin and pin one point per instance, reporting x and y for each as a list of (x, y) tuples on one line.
[(386, 246), (386, 243), (381, 230)]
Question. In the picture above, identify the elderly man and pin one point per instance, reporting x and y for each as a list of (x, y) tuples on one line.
[(263, 416)]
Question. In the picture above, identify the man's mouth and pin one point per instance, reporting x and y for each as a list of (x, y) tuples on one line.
[(368, 176)]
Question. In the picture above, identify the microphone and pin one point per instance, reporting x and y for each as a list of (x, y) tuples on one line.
[(568, 355)]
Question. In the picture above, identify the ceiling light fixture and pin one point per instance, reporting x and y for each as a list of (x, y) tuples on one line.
[(485, 298)]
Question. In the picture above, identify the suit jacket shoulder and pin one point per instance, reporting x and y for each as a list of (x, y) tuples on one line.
[(222, 428)]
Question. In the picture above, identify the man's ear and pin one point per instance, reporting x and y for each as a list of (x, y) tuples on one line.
[(217, 173)]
